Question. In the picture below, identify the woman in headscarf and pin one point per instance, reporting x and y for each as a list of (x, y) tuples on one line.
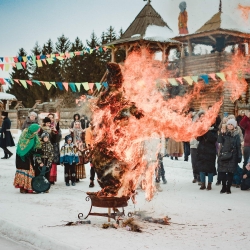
[(28, 143), (78, 135)]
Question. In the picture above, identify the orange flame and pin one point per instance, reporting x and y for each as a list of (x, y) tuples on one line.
[(161, 117)]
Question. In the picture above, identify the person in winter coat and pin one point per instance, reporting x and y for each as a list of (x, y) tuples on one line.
[(245, 124), (27, 146), (89, 140), (55, 141), (229, 155), (84, 122), (6, 139), (206, 157), (239, 118), (193, 151), (76, 117), (31, 119), (174, 149), (78, 136), (44, 156), (69, 158)]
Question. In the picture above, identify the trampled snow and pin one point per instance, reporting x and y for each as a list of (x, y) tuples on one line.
[(200, 219)]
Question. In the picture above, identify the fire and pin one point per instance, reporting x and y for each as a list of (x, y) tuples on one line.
[(137, 111)]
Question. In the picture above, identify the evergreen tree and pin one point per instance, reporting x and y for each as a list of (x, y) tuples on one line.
[(110, 34), (120, 33), (17, 90), (63, 44)]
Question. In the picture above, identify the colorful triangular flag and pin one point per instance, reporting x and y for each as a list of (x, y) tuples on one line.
[(221, 76), (24, 83), (78, 85), (85, 85), (188, 79), (66, 85)]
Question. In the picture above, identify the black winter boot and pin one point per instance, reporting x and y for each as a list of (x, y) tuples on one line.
[(224, 189), (164, 180), (228, 189)]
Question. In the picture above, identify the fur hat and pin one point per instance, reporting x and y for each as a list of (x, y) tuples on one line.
[(4, 113), (44, 134), (33, 114), (46, 119), (68, 137), (232, 122)]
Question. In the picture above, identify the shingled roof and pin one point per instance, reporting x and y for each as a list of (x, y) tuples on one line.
[(222, 21), (147, 16)]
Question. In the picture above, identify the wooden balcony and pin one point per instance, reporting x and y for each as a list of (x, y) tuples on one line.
[(204, 64)]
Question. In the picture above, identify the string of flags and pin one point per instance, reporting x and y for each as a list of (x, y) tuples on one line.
[(74, 86), (20, 62), (192, 79)]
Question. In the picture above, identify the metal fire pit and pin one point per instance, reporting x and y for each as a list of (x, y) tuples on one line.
[(106, 202)]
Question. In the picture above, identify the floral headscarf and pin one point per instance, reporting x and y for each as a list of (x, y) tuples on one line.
[(28, 141)]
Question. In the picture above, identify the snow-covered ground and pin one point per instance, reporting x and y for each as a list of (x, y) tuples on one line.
[(200, 219)]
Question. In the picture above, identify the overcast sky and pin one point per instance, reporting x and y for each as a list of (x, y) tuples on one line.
[(25, 22)]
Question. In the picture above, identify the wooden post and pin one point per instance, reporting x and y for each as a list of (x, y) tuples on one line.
[(109, 212), (164, 53), (113, 55), (190, 49)]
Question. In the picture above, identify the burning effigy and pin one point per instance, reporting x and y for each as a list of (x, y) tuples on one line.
[(135, 110)]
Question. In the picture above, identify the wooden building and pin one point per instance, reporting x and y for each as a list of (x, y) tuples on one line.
[(219, 32)]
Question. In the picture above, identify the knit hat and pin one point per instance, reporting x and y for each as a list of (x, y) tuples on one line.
[(46, 119), (232, 122), (4, 113), (33, 114), (68, 137), (44, 134)]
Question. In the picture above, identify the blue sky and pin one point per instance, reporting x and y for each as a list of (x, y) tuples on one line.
[(25, 22)]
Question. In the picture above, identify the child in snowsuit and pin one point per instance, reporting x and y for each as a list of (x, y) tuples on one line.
[(69, 158), (44, 155)]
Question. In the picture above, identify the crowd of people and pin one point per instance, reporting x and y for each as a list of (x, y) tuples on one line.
[(39, 146), (218, 152)]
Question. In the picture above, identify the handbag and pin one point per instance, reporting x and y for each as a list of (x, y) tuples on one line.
[(40, 184), (226, 156)]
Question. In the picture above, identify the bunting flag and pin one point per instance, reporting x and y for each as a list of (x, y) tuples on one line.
[(105, 84), (205, 78), (213, 76), (7, 66), (47, 85), (60, 85), (173, 82), (29, 82), (72, 86), (180, 80), (221, 76), (1, 66), (98, 85), (188, 79), (37, 82), (19, 66), (91, 85), (195, 78), (2, 81), (24, 83), (85, 85), (39, 63), (66, 86), (78, 85), (54, 84)]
